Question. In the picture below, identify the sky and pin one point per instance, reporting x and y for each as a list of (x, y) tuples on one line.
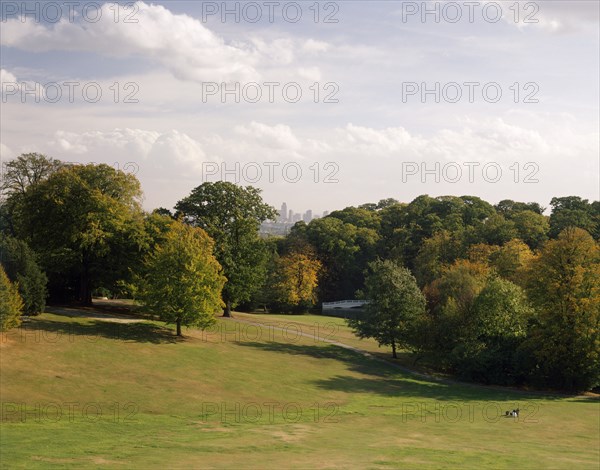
[(322, 105)]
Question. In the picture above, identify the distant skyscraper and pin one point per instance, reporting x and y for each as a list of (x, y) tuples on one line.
[(290, 216), (283, 213), (325, 214), (307, 216), (297, 218)]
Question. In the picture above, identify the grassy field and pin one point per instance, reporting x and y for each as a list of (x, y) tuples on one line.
[(319, 327), (84, 392)]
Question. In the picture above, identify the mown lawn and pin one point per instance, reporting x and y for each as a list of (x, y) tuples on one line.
[(80, 392)]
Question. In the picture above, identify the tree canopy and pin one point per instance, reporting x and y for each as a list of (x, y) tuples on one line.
[(509, 293), (395, 304), (231, 215), (182, 280), (83, 221), (564, 284)]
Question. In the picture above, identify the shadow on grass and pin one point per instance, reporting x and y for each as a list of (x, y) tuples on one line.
[(386, 379), (54, 331)]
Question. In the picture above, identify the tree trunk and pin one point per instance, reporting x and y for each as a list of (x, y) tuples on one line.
[(179, 327), (227, 309), (394, 350), (85, 289)]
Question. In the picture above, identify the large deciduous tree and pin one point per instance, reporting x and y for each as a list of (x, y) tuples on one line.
[(232, 215), (511, 260), (498, 324), (182, 281), (573, 211), (296, 279), (82, 221), (564, 283), (19, 174), (450, 299), (395, 305), (436, 253), (26, 170), (532, 228), (345, 250)]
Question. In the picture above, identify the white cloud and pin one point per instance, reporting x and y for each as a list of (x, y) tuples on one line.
[(152, 149), (6, 76), (168, 164), (278, 136), (483, 140), (383, 141), (177, 41), (554, 16), (369, 158), (6, 152), (278, 51), (310, 73), (312, 46), (14, 89)]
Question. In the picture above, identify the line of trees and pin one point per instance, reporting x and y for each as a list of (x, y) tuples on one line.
[(494, 293)]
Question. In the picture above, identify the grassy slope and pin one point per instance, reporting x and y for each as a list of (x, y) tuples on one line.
[(370, 415)]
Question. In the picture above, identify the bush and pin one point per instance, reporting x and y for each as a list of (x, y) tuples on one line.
[(102, 292), (11, 304), (21, 267)]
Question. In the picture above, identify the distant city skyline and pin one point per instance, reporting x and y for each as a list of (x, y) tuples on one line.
[(283, 224), (287, 215)]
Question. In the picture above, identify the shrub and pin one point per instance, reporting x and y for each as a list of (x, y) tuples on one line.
[(21, 267), (11, 304)]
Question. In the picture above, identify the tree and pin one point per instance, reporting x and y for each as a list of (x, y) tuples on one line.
[(481, 252), (531, 227), (19, 174), (572, 211), (450, 299), (501, 310), (359, 216), (387, 202), (183, 281), (405, 227), (21, 267), (392, 236), (83, 221), (232, 215), (496, 230), (26, 170), (564, 284), (344, 250), (511, 260), (436, 252), (395, 303), (265, 296), (296, 279), (11, 304), (458, 286), (498, 325), (508, 208)]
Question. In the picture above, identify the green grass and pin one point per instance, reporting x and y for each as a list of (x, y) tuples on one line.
[(319, 327), (192, 403)]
